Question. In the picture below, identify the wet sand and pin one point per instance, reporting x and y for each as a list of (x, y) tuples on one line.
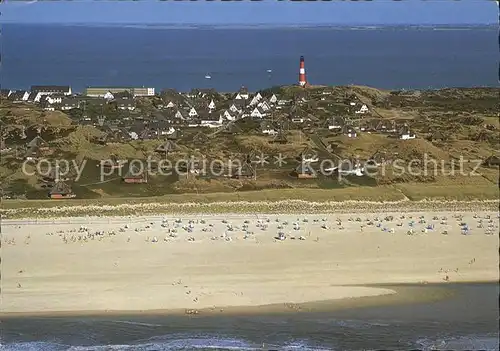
[(223, 262), (467, 319)]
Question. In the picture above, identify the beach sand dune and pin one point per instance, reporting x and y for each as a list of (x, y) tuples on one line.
[(215, 261)]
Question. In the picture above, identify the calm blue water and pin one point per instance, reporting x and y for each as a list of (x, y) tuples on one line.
[(180, 58)]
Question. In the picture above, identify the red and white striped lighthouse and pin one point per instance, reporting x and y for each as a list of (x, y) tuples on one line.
[(302, 72)]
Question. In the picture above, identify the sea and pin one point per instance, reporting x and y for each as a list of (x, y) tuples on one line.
[(467, 319), (396, 57)]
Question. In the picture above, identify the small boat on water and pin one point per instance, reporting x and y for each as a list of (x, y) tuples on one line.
[(269, 70), (208, 76)]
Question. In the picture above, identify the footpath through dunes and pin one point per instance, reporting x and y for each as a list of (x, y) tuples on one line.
[(210, 261)]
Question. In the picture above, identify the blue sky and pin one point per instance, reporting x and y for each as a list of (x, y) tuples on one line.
[(269, 12)]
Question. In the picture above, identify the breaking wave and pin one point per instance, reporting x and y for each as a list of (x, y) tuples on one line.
[(167, 344), (489, 343), (461, 343)]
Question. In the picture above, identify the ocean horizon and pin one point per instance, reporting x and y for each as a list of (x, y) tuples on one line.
[(389, 57)]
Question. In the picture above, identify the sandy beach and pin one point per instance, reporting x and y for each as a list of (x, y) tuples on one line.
[(216, 261)]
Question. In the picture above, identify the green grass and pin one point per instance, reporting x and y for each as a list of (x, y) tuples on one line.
[(263, 201), (315, 195), (349, 199), (467, 192)]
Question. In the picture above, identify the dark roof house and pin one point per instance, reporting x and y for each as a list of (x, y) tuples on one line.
[(492, 161), (280, 137), (17, 96), (168, 146), (61, 190), (37, 142), (231, 128), (246, 170), (63, 89), (135, 175), (125, 104), (4, 93), (304, 171), (201, 138), (70, 103)]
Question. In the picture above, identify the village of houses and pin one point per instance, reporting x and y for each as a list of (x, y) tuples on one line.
[(125, 114)]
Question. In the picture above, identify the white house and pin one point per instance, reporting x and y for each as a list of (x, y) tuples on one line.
[(347, 168), (230, 117), (350, 132), (273, 99), (109, 96), (407, 136), (336, 123), (192, 112), (52, 99), (238, 97), (256, 99), (264, 105), (236, 107), (405, 133), (69, 104), (386, 126), (126, 104), (363, 109), (258, 113), (143, 91), (170, 105), (180, 115), (48, 107), (25, 96), (19, 96), (268, 129), (52, 89), (5, 93), (35, 96), (297, 120), (211, 121), (32, 96), (211, 105), (243, 93)]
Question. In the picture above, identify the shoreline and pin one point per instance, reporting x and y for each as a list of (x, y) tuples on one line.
[(403, 294), (283, 307), (458, 317)]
